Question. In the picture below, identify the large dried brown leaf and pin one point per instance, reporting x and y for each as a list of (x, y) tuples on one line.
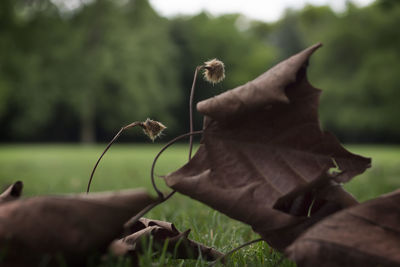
[(12, 192), (73, 226), (365, 235), (179, 245), (263, 157)]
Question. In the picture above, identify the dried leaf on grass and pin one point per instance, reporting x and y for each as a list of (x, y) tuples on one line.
[(263, 157), (365, 235), (179, 245), (71, 227), (12, 192)]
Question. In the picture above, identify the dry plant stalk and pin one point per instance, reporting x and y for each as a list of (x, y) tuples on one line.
[(151, 128), (214, 72)]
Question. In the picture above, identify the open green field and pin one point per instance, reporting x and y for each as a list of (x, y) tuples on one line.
[(55, 169)]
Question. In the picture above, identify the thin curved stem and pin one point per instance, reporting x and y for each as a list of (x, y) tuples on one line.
[(161, 197), (234, 250), (133, 124), (198, 68), (160, 194)]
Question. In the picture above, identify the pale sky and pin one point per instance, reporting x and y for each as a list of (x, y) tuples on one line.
[(265, 10)]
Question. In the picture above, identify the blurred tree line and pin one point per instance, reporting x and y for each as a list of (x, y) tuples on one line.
[(80, 75)]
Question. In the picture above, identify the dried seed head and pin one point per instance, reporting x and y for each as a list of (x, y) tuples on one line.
[(214, 70), (152, 129)]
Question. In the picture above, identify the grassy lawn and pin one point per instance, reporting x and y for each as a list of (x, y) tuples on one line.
[(54, 169)]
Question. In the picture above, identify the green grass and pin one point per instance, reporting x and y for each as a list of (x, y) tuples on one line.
[(55, 169)]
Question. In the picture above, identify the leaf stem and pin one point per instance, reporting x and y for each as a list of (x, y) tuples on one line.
[(133, 124)]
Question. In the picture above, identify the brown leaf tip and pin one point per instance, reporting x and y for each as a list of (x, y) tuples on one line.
[(153, 129), (214, 71)]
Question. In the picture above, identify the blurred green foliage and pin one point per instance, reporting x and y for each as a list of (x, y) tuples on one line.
[(82, 74)]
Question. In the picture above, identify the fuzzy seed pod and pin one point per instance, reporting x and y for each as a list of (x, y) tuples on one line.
[(214, 71), (152, 129)]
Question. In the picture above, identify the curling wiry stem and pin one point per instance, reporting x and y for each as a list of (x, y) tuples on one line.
[(198, 68), (133, 124), (160, 195)]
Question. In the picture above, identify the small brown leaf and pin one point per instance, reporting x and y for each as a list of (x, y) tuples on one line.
[(73, 226), (179, 245), (12, 192), (263, 157), (364, 235)]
